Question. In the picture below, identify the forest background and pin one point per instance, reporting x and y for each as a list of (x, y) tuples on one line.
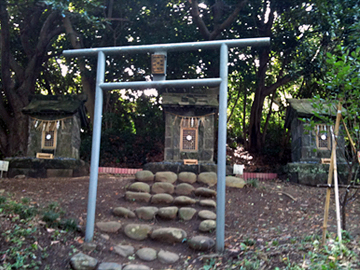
[(313, 54)]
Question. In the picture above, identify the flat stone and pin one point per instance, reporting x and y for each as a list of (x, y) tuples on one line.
[(147, 254), (187, 177), (208, 178), (146, 212), (207, 225), (186, 213), (205, 192), (109, 227), (236, 182), (83, 262), (124, 250), (184, 200), (167, 257), (162, 187), (123, 212), (184, 189), (169, 177), (169, 235), (201, 243), (139, 187), (89, 246), (105, 236), (137, 231), (144, 176), (136, 267), (109, 266), (206, 214), (168, 212), (137, 196), (208, 203), (162, 198)]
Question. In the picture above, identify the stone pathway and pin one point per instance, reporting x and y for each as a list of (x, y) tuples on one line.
[(151, 191)]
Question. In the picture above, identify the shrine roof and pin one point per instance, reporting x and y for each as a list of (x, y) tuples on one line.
[(308, 107), (50, 106)]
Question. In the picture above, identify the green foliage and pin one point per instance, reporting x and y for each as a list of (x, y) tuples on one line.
[(19, 245), (133, 133), (252, 182)]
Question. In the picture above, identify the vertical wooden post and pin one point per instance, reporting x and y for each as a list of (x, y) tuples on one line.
[(330, 175)]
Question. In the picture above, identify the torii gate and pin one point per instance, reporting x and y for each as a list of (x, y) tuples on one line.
[(161, 82)]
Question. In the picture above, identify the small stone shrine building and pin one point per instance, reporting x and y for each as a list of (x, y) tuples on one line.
[(311, 149), (54, 126), (190, 124)]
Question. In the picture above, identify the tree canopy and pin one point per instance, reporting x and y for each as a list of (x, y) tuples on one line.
[(34, 33)]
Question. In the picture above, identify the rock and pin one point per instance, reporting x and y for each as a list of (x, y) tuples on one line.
[(207, 225), (137, 196), (184, 189), (162, 198), (162, 187), (109, 266), (206, 214), (169, 235), (146, 212), (205, 192), (144, 176), (168, 212), (236, 182), (83, 262), (105, 236), (186, 213), (187, 177), (124, 250), (139, 187), (123, 212), (184, 200), (147, 254), (208, 178), (89, 246), (136, 267), (167, 257), (137, 231), (169, 177), (201, 243), (109, 227), (208, 203)]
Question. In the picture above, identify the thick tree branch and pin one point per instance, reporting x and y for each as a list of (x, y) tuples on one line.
[(204, 31), (198, 20), (232, 17), (87, 87), (280, 81)]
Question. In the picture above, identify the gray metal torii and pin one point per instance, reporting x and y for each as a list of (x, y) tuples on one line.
[(161, 82)]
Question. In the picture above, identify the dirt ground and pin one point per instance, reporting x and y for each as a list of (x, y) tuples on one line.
[(273, 212)]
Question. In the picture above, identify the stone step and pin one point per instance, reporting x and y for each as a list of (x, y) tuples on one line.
[(197, 243), (166, 213)]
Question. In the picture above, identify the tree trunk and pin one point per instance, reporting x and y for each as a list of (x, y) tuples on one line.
[(255, 121), (88, 86)]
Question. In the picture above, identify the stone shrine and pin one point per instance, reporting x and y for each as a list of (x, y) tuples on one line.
[(190, 116), (311, 149), (54, 138), (54, 125)]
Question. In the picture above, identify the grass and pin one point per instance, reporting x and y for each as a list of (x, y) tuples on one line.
[(314, 257), (19, 239)]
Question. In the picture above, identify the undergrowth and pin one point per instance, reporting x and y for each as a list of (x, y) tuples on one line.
[(314, 256), (20, 248)]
